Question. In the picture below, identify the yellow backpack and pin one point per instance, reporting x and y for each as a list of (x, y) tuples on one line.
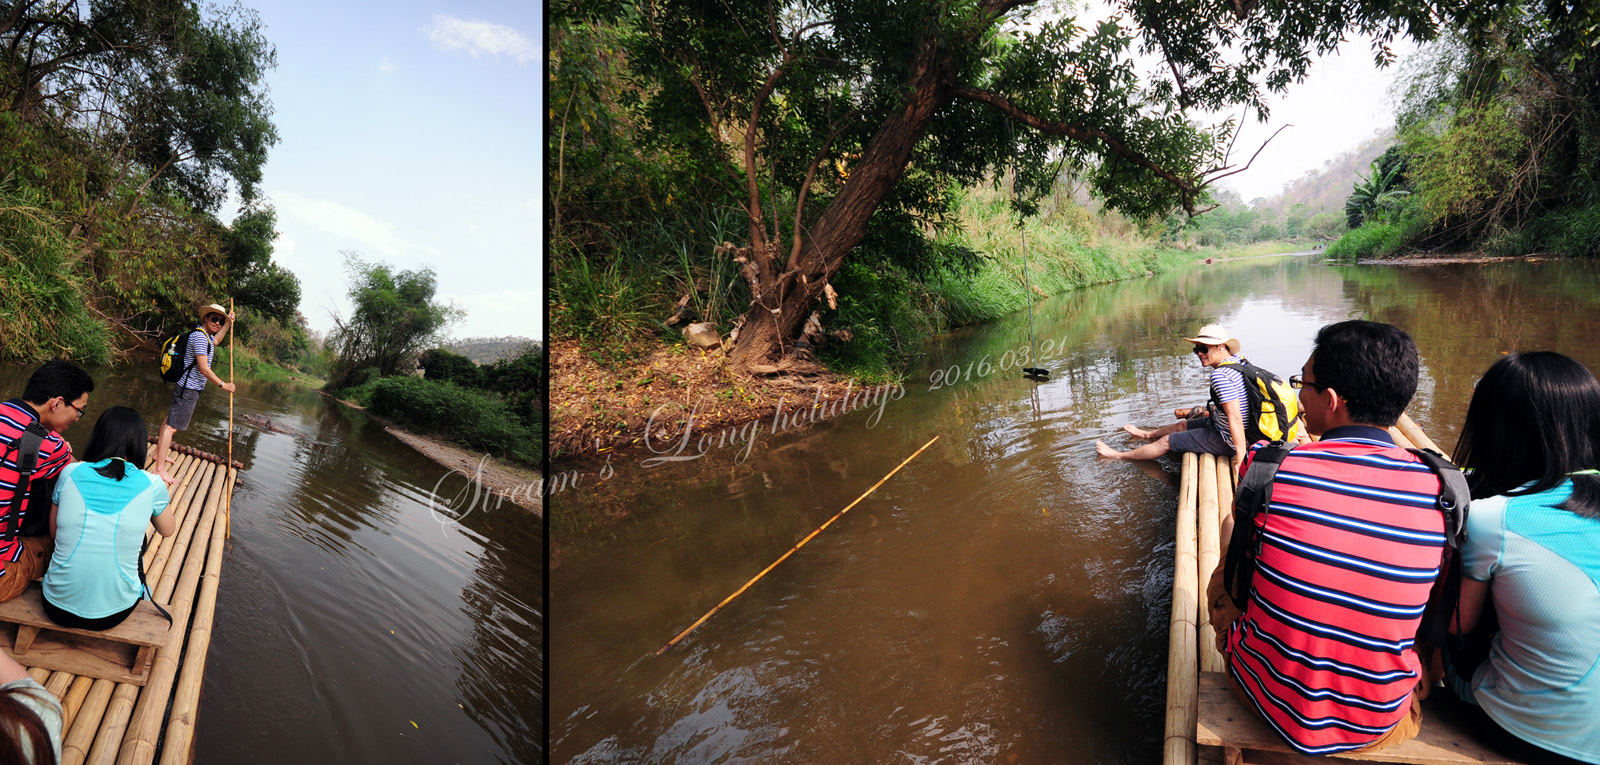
[(1275, 406)]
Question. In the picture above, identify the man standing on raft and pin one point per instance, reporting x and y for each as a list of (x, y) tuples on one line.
[(214, 324), (1218, 428)]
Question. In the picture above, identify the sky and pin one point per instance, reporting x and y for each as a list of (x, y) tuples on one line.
[(1342, 102), (409, 133)]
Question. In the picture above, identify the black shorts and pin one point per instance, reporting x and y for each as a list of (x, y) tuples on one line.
[(183, 401)]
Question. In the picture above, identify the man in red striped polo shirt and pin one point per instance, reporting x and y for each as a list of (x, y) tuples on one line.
[(54, 398), (1348, 551)]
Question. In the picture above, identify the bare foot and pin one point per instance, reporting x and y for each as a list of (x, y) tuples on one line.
[(1106, 451), (166, 477), (1139, 433)]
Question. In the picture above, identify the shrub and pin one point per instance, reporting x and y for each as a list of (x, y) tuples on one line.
[(1373, 240), (473, 418)]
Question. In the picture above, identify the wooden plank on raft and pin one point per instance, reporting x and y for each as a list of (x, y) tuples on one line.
[(1178, 747)]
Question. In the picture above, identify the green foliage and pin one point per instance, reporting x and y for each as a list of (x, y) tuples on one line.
[(253, 278), (473, 418), (444, 366), (393, 319), (41, 308), (1325, 225), (1473, 159), (1381, 190)]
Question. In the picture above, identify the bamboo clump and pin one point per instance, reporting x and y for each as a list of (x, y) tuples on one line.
[(105, 721)]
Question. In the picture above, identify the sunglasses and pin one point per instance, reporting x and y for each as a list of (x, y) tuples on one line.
[(1201, 350), (1297, 383)]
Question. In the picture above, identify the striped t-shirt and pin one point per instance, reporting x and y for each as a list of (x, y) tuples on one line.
[(1350, 547), (199, 345), (1227, 384)]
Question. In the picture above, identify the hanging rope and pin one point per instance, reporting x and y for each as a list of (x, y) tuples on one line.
[(1016, 193)]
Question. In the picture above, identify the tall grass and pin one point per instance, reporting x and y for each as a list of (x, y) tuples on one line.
[(43, 310)]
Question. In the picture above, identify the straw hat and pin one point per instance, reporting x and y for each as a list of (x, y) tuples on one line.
[(214, 309), (1215, 334)]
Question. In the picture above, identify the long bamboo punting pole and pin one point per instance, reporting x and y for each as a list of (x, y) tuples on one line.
[(139, 745), (757, 577), (1212, 470), (1415, 434), (180, 724), (231, 334), (1183, 699)]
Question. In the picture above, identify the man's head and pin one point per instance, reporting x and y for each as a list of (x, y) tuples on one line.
[(1360, 372), (1213, 345), (212, 317), (58, 391)]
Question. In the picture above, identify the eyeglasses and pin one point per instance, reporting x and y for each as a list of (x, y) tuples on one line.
[(1297, 383), (81, 413), (1201, 350)]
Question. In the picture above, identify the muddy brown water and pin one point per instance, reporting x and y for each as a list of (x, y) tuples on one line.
[(1005, 597), (358, 619)]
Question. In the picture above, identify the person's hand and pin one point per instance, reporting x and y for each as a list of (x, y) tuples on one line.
[(230, 318), (229, 387)]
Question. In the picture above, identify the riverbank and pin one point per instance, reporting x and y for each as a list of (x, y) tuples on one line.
[(519, 485), (642, 405)]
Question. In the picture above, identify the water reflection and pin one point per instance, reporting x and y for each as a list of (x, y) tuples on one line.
[(352, 625), (1005, 597)]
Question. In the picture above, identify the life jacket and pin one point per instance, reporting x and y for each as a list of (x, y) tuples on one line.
[(1254, 498), (172, 352), (1274, 406)]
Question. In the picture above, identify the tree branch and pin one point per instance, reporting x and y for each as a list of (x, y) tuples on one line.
[(805, 187), (1187, 190), (1210, 181)]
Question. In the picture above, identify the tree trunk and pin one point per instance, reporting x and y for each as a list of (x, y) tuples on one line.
[(783, 299)]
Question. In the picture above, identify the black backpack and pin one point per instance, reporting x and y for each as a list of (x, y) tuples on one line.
[(1254, 497), (27, 448), (173, 350)]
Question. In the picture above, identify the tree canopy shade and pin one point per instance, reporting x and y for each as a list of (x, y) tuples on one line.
[(837, 124), (181, 93)]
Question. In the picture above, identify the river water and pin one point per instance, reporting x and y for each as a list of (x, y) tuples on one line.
[(356, 621), (1004, 597)]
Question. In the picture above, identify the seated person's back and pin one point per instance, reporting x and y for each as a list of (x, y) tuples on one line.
[(102, 508)]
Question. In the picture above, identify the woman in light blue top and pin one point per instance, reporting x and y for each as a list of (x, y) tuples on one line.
[(1532, 443), (102, 508)]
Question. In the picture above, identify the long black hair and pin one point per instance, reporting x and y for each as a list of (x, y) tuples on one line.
[(1534, 417), (118, 433)]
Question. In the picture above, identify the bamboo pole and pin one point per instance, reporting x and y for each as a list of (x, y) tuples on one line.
[(1183, 701), (75, 745), (172, 548), (167, 579), (757, 577), (1415, 434), (74, 701), (58, 683), (231, 336), (1400, 439), (139, 745), (180, 724), (39, 674), (1211, 475), (113, 725)]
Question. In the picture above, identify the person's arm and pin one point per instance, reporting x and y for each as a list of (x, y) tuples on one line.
[(203, 363), (1236, 428), (10, 670), (166, 524), (1470, 607), (224, 331)]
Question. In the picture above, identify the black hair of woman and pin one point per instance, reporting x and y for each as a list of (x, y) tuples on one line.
[(119, 433), (1535, 417)]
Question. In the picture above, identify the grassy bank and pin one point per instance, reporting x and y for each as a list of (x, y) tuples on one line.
[(251, 366)]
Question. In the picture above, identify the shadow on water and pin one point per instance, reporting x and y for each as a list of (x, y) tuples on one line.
[(356, 622), (1004, 597)]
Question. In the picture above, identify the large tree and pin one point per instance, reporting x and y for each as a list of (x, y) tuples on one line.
[(827, 117)]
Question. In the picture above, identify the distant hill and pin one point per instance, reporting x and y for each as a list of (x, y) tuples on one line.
[(487, 350), (1325, 190)]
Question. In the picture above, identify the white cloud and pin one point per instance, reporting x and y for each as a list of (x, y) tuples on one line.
[(339, 219), (480, 38), (386, 65)]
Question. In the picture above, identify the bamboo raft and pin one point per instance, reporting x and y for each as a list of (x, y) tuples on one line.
[(1205, 496), (110, 722)]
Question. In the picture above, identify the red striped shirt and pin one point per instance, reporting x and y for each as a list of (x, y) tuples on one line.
[(54, 454), (1350, 548)]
